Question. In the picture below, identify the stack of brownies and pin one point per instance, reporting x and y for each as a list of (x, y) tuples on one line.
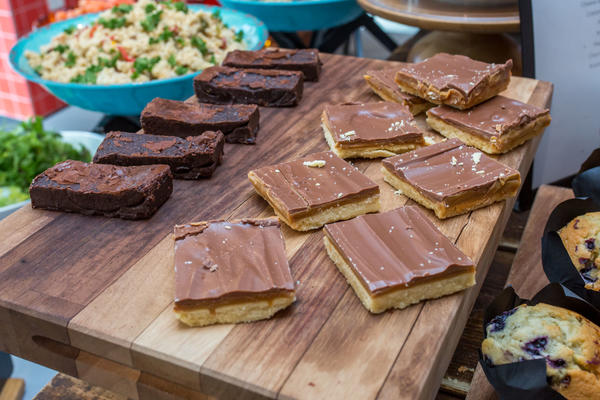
[(131, 176)]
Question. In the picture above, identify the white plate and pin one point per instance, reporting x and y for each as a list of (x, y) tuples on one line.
[(89, 140)]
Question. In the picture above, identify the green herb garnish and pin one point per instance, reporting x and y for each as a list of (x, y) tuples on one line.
[(216, 14), (199, 44), (122, 8), (166, 34), (181, 6), (70, 29), (143, 64), (71, 58), (89, 76), (213, 60), (29, 150), (149, 8), (153, 40), (171, 60), (239, 36), (61, 48), (108, 63), (203, 24), (180, 41), (151, 21), (112, 23), (180, 70)]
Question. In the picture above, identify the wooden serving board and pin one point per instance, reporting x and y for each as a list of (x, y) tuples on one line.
[(93, 297)]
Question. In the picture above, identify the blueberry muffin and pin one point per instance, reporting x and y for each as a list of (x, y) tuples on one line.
[(581, 238), (569, 343)]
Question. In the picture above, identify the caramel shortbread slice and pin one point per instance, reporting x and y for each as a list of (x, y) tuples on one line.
[(370, 130), (230, 271), (397, 258), (495, 126), (454, 80), (451, 178), (312, 191)]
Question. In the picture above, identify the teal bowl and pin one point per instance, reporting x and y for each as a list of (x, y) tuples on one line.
[(128, 98), (300, 15)]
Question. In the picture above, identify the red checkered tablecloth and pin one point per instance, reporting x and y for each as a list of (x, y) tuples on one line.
[(18, 98)]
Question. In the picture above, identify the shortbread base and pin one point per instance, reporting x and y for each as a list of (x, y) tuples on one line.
[(234, 313), (333, 213), (318, 217), (367, 150), (415, 108), (403, 296), (500, 191), (454, 98), (501, 144)]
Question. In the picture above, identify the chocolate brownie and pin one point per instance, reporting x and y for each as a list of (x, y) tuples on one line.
[(265, 87), (304, 60), (191, 158), (101, 189), (238, 122)]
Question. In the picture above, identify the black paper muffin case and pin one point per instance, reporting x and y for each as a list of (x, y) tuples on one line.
[(555, 259), (527, 379)]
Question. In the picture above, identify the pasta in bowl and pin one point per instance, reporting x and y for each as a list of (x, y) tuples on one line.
[(117, 61)]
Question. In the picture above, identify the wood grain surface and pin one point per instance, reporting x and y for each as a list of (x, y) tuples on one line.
[(93, 297), (527, 274), (12, 389)]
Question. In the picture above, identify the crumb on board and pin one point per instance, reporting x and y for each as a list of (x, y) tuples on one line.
[(429, 140), (315, 163)]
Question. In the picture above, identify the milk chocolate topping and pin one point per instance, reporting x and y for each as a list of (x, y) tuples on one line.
[(301, 187), (354, 123), (395, 249), (86, 177), (445, 71), (250, 78), (385, 78), (221, 261), (448, 168), (493, 117)]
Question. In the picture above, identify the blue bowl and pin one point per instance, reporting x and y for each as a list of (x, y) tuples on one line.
[(128, 98), (301, 15)]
